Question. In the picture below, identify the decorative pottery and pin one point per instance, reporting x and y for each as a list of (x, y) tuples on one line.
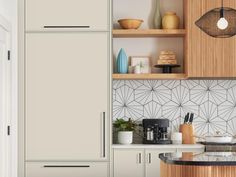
[(125, 137), (130, 23), (122, 62), (157, 16), (170, 21)]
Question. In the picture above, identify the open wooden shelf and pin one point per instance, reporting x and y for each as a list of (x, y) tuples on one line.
[(121, 33), (151, 76)]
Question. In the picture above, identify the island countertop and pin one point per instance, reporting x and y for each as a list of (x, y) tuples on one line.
[(200, 159)]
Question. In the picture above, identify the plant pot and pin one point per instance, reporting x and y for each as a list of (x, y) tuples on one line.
[(125, 137)]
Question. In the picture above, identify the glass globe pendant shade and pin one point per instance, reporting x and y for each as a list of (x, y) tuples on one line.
[(222, 23), (218, 22)]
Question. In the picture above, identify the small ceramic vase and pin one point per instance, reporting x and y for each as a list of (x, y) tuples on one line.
[(122, 62), (170, 21), (157, 16)]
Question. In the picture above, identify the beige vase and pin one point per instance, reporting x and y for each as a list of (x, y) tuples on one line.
[(170, 21)]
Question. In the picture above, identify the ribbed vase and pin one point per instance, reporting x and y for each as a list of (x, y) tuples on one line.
[(157, 16), (122, 62)]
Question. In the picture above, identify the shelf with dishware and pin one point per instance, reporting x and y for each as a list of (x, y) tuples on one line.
[(149, 47), (136, 33)]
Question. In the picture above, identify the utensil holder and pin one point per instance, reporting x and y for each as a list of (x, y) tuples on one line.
[(187, 133)]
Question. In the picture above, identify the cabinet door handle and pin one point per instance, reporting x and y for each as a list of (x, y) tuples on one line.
[(149, 158), (139, 158), (104, 135), (67, 26), (66, 166)]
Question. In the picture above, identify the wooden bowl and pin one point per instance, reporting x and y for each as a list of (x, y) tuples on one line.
[(130, 23)]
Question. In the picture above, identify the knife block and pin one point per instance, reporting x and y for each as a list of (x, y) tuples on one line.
[(187, 134)]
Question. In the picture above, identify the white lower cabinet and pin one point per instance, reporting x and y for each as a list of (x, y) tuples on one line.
[(142, 162), (128, 163), (46, 169), (152, 164)]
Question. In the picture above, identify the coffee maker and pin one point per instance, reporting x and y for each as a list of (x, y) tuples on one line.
[(156, 131)]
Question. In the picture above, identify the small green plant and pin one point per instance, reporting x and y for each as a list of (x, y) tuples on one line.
[(125, 125)]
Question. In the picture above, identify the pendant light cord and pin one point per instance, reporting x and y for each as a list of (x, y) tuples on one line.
[(222, 9)]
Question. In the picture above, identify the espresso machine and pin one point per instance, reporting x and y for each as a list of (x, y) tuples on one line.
[(156, 131)]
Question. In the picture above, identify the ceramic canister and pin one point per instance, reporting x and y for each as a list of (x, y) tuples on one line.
[(170, 21), (176, 138), (122, 62)]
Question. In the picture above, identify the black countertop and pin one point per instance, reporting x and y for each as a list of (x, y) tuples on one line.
[(200, 159)]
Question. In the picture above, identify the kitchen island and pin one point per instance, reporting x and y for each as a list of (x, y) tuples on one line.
[(207, 164)]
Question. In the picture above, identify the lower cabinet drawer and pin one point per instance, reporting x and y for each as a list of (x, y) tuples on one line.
[(40, 169)]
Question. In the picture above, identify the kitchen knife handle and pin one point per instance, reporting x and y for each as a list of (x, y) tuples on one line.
[(191, 118), (186, 119)]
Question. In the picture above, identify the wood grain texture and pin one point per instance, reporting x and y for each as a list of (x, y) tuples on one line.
[(148, 76), (169, 170), (207, 56), (188, 133), (119, 33)]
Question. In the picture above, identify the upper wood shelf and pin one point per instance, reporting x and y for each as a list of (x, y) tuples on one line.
[(151, 76), (121, 33)]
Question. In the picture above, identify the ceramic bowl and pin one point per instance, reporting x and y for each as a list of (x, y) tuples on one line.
[(130, 23)]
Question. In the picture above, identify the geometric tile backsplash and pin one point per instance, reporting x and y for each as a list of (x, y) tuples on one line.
[(212, 101)]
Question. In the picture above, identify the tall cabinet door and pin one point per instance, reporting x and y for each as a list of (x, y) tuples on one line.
[(66, 96), (208, 56), (84, 14)]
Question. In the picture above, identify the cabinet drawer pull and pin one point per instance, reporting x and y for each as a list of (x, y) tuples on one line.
[(66, 166), (66, 26)]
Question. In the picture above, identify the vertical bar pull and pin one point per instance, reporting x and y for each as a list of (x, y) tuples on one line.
[(9, 55), (104, 135), (8, 130), (149, 158), (139, 158)]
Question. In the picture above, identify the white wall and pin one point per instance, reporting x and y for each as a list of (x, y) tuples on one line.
[(8, 9)]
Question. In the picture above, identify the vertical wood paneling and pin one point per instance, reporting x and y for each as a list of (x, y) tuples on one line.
[(169, 170), (208, 56)]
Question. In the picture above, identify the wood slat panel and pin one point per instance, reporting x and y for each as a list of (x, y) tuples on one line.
[(208, 56), (170, 170)]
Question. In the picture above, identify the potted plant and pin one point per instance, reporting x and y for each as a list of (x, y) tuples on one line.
[(125, 130)]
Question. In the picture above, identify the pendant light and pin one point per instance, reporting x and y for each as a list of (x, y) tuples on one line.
[(219, 22), (222, 22)]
